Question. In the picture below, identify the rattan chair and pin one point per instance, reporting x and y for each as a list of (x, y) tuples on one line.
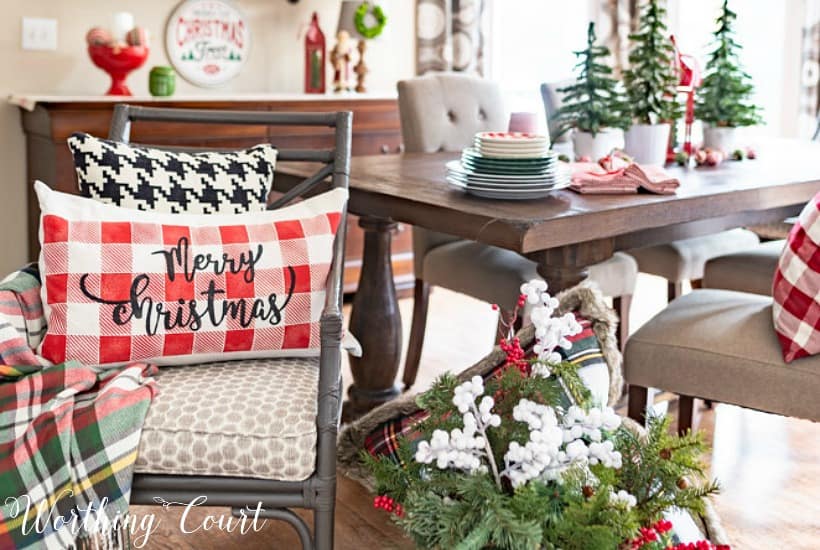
[(152, 484)]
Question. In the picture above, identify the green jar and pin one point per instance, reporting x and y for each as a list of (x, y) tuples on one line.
[(162, 81)]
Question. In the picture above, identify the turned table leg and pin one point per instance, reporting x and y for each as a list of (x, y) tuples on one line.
[(376, 322), (566, 266)]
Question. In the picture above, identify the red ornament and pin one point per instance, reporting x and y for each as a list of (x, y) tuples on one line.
[(137, 36), (314, 58), (98, 37)]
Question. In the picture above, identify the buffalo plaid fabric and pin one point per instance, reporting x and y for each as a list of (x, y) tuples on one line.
[(385, 439), (68, 433), (118, 291), (796, 289)]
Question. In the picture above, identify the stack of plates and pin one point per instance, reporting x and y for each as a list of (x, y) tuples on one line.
[(508, 166)]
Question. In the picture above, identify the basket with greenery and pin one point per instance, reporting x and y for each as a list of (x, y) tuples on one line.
[(525, 459)]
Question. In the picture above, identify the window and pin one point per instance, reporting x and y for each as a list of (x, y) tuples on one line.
[(532, 41)]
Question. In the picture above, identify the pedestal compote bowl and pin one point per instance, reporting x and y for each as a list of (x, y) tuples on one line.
[(118, 62)]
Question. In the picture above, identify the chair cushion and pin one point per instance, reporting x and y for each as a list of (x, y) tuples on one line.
[(720, 345), (750, 270), (249, 418), (685, 259), (495, 274), (796, 287)]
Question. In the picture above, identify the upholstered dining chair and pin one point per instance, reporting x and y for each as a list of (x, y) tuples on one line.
[(442, 112), (253, 432), (718, 345), (678, 261)]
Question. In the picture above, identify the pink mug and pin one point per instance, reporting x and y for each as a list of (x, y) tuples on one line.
[(524, 122)]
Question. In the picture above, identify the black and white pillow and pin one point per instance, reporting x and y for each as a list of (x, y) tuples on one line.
[(143, 178)]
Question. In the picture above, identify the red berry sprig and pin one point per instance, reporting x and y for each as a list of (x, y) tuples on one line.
[(515, 355), (658, 536), (388, 504)]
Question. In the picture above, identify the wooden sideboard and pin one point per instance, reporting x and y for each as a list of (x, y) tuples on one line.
[(48, 121)]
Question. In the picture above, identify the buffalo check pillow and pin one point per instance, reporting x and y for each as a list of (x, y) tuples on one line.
[(796, 289), (145, 178), (122, 285)]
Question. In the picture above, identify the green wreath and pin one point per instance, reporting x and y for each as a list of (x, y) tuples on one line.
[(362, 28)]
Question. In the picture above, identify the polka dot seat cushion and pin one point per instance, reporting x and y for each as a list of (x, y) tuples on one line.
[(248, 418)]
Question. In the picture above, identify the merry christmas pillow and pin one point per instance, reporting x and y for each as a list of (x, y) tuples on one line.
[(145, 178), (796, 288), (121, 285)]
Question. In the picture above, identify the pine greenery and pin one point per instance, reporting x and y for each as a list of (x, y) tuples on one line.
[(595, 101), (724, 97), (451, 509), (651, 80)]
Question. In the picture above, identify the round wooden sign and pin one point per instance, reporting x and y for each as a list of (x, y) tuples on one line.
[(207, 41)]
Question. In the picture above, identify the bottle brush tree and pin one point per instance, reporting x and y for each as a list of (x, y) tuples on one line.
[(652, 78), (595, 101), (724, 98)]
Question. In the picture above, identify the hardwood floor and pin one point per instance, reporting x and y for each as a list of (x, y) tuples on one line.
[(769, 466)]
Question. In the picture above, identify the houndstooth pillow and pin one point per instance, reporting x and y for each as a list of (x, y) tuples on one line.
[(143, 178)]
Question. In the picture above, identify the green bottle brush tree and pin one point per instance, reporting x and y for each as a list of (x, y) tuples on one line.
[(724, 98)]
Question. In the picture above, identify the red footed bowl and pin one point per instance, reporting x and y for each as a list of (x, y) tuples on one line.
[(118, 63)]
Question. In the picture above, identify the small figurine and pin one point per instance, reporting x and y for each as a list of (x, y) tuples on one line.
[(340, 58)]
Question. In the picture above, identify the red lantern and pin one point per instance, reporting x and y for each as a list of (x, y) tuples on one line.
[(314, 58)]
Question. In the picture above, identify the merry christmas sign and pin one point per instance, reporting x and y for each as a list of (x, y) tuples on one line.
[(207, 41)]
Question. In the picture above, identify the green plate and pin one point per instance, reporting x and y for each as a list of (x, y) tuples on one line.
[(473, 155), (535, 171)]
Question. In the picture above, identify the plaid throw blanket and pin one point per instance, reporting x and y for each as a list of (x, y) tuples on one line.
[(68, 435)]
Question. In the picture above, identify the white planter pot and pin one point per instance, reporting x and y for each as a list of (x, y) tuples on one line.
[(601, 145), (647, 143), (723, 138)]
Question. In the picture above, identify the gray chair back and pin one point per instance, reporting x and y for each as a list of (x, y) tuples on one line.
[(552, 103), (442, 112)]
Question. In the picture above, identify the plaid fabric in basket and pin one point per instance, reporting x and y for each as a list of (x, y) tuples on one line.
[(796, 288), (68, 433), (384, 440)]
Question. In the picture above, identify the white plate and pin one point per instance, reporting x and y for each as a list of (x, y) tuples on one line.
[(510, 137), (506, 188), (508, 185), (506, 195), (510, 147), (511, 155)]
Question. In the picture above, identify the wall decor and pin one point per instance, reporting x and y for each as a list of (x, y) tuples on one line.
[(207, 41)]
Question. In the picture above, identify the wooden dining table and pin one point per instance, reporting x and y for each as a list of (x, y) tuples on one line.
[(563, 233)]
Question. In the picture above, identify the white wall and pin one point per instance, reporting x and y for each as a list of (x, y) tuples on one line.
[(275, 65)]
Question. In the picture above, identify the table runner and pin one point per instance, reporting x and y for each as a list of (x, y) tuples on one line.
[(68, 435)]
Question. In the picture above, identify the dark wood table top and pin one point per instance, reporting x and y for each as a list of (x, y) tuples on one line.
[(411, 188)]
